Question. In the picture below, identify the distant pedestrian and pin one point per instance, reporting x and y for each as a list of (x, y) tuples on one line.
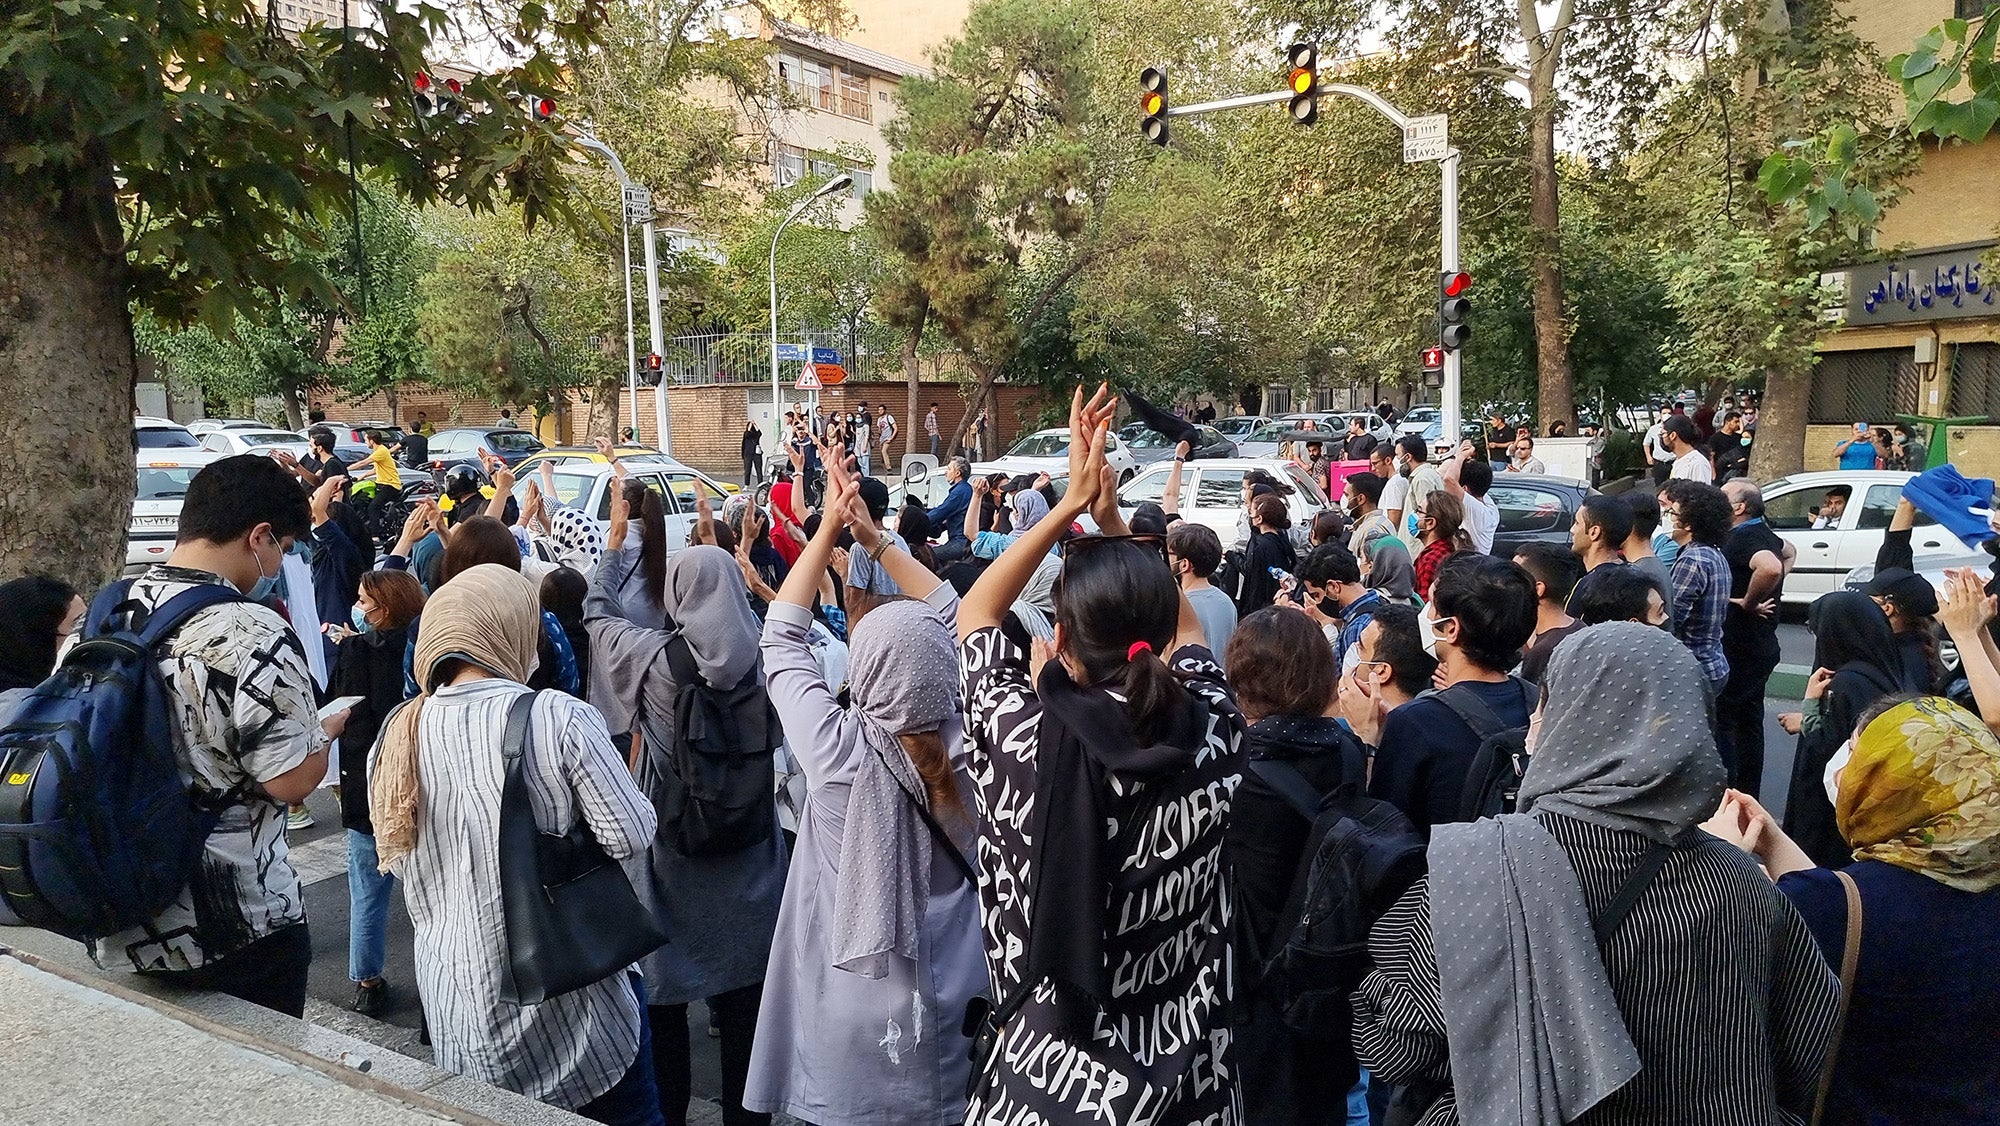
[(753, 453), (931, 428)]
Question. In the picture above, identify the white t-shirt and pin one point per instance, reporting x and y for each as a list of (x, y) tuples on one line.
[(1693, 466), (1395, 494), (1482, 519), (1655, 441)]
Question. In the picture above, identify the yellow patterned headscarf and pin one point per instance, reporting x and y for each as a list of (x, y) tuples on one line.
[(1922, 791)]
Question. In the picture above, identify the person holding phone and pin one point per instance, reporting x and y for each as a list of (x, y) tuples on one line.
[(1858, 452)]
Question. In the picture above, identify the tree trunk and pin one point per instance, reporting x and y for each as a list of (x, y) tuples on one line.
[(1780, 447), (913, 380), (288, 394), (66, 384), (1555, 382), (606, 395)]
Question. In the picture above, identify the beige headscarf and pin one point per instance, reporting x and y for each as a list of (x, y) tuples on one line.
[(488, 615)]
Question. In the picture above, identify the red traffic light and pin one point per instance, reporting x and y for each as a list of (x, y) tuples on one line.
[(1455, 284), (545, 108), (421, 82), (1433, 359), (653, 361)]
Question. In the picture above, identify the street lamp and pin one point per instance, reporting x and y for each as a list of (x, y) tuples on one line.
[(588, 140), (839, 183)]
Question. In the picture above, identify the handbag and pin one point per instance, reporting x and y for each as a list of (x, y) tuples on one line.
[(1850, 961), (572, 917)]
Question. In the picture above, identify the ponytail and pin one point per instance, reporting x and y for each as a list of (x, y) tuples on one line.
[(1151, 692), (653, 548), (933, 763)]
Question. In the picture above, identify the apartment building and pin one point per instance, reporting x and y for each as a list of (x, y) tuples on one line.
[(1919, 333), (294, 15)]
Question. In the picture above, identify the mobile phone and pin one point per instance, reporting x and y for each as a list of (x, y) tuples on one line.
[(1861, 428), (335, 707)]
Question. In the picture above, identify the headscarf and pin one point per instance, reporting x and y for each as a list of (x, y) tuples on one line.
[(1922, 791), (579, 542), (488, 615), (1029, 508), (1389, 568), (902, 676), (1852, 634), (705, 597), (32, 609), (1532, 1024)]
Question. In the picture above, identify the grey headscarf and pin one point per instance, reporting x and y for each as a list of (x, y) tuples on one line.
[(706, 599), (1533, 1026), (1029, 508), (1389, 568), (902, 675)]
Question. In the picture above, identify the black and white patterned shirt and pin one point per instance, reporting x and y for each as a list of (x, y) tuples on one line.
[(244, 713), (1162, 1055)]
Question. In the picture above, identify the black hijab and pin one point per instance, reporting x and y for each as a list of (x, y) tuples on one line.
[(1851, 634), (31, 611)]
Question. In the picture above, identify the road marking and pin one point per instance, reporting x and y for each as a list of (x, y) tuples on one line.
[(323, 859)]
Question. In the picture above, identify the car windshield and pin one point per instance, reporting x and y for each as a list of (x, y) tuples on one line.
[(513, 442), (1048, 443), (1421, 414), (1274, 433), (1151, 439), (1236, 426), (165, 483), (267, 438), (569, 487), (165, 438)]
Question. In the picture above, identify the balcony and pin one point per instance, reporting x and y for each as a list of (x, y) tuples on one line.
[(832, 99)]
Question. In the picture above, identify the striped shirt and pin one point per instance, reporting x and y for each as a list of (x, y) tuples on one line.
[(569, 1049), (1701, 606), (1721, 985)]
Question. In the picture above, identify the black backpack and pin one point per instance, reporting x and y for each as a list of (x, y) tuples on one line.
[(1493, 781), (1361, 855), (717, 789)]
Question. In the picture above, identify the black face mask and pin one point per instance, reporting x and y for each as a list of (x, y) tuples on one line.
[(1329, 606)]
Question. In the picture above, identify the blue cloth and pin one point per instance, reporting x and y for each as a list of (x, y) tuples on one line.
[(635, 1099), (1859, 454), (1353, 621), (948, 519), (554, 642), (368, 909), (1949, 497)]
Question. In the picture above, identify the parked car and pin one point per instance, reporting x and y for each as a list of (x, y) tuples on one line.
[(463, 445), (228, 443), (164, 472), (1469, 430), (1827, 556), (1153, 446), (1047, 451), (356, 433), (1535, 509), (567, 455), (1417, 420), (1237, 427), (1212, 491), (587, 486), (1263, 442), (203, 427)]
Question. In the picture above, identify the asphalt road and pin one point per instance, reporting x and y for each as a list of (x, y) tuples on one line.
[(321, 854)]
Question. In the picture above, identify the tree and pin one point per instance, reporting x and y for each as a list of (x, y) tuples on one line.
[(162, 156)]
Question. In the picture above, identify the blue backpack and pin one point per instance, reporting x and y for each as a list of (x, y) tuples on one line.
[(98, 830)]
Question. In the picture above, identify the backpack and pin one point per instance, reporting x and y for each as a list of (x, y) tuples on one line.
[(1361, 855), (1493, 780), (718, 791), (98, 829)]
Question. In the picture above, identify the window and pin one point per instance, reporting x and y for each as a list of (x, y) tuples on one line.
[(1975, 380), (1277, 400), (854, 97), (215, 443), (164, 438), (165, 483), (1865, 386), (1323, 400), (1150, 486), (513, 442), (788, 165), (1796, 510), (1306, 486), (1220, 488), (1880, 505), (864, 182), (1524, 509), (1969, 9), (686, 486), (572, 488)]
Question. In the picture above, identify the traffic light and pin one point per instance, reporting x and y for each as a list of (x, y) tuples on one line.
[(539, 107), (1153, 105), (1303, 58), (652, 370), (1454, 309), (422, 93), (450, 99)]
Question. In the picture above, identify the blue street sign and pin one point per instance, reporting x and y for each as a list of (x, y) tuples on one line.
[(792, 352), (825, 356)]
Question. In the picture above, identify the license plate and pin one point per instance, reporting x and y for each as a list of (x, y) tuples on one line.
[(155, 522)]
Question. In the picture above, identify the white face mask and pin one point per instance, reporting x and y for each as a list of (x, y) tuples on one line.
[(1834, 766), (1427, 630)]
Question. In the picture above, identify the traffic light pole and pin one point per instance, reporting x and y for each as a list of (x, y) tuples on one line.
[(589, 140), (1449, 405)]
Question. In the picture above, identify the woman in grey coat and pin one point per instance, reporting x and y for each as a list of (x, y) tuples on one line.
[(878, 946), (719, 911)]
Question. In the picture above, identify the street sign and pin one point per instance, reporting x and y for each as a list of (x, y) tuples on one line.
[(1434, 359), (792, 353), (638, 203), (1426, 139), (832, 375), (825, 356), (808, 379)]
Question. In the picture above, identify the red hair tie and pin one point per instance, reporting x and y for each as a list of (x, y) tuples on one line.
[(1137, 648)]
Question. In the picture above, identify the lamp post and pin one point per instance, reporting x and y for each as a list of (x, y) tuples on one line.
[(838, 183), (588, 140)]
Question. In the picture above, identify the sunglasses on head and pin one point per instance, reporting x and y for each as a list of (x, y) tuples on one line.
[(1152, 540)]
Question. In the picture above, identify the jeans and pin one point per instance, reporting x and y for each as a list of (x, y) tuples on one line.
[(862, 458), (368, 891), (382, 518), (635, 1099), (753, 469), (1739, 718), (270, 972), (736, 1016), (933, 447), (952, 550)]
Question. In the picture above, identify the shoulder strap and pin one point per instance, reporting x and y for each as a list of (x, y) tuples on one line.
[(937, 832), (514, 744), (1615, 912), (680, 658), (170, 615), (1850, 958), (1483, 721), (107, 605), (1290, 785)]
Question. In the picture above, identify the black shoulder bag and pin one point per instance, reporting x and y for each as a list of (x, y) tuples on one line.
[(572, 917)]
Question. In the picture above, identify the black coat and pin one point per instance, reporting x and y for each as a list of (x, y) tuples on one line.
[(369, 665)]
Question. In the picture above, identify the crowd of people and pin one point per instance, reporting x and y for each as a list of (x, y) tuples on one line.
[(968, 814)]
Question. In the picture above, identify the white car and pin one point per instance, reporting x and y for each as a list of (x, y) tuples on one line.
[(1237, 427), (168, 458), (1826, 555), (1047, 451), (229, 443), (586, 485), (203, 427), (1417, 420), (1212, 491)]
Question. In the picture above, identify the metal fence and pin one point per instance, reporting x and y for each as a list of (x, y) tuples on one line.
[(1866, 386), (745, 357), (1975, 380)]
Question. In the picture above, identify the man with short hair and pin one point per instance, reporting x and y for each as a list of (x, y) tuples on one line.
[(1194, 551), (1390, 665), (885, 433), (1423, 479), (1642, 546), (948, 518), (1729, 448), (931, 428), (1468, 477), (1482, 611), (1833, 507), (1699, 515), (248, 740), (507, 419), (865, 573), (1395, 487), (1658, 455), (1360, 494), (1331, 577), (1620, 594), (1597, 536), (1756, 558), (1523, 459), (1555, 571), (1359, 440), (1683, 440), (423, 425)]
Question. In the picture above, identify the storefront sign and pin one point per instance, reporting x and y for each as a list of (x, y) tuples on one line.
[(1923, 287)]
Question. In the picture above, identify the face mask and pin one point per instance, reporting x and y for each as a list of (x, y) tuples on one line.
[(361, 623), (266, 585), (1746, 439), (1834, 766), (1427, 630), (303, 550), (1411, 522), (1328, 604)]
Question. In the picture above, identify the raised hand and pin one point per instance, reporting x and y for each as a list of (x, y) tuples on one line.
[(604, 448), (1817, 683), (322, 500)]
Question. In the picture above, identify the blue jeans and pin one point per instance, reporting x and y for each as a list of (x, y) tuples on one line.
[(367, 908), (863, 459), (635, 1099)]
